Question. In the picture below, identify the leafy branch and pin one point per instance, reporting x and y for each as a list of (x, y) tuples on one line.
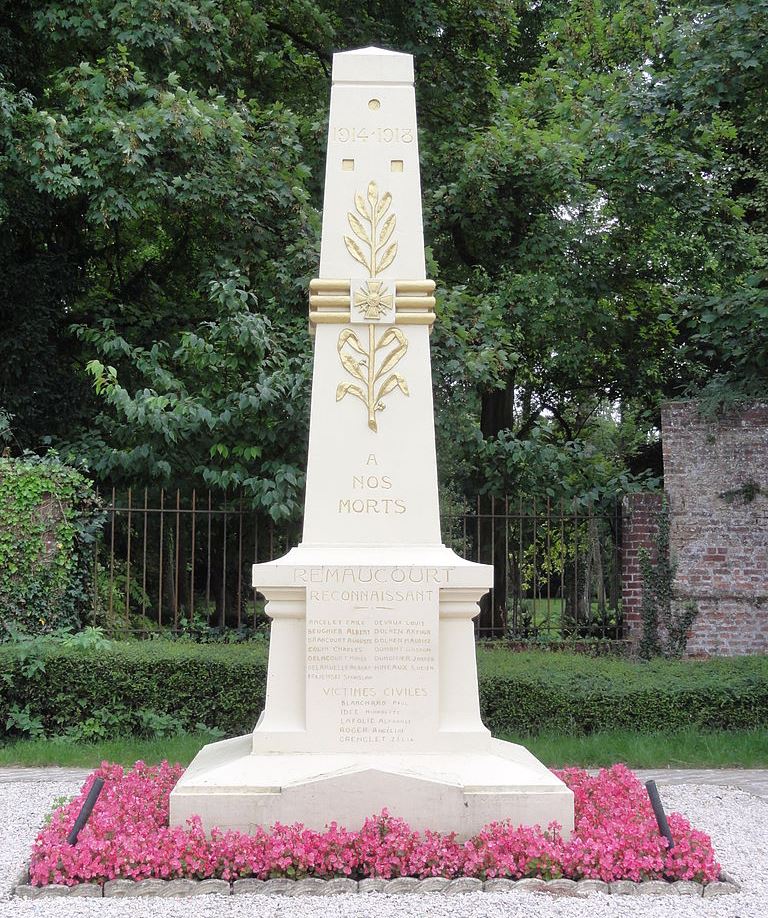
[(367, 225), (361, 364)]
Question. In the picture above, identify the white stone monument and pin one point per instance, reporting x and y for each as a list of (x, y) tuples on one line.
[(372, 697)]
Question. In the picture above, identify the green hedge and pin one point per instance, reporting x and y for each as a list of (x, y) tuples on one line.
[(222, 686), (531, 692)]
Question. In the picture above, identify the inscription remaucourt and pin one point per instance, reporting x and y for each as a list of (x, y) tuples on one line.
[(357, 575)]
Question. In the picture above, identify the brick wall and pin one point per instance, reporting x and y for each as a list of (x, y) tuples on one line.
[(719, 537), (638, 531)]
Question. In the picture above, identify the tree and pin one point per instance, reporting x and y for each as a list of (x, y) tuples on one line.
[(188, 229), (594, 254), (719, 92), (595, 202), (208, 408), (584, 229), (175, 151)]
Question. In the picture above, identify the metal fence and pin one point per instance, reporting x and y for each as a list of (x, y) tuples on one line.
[(557, 569), (182, 561)]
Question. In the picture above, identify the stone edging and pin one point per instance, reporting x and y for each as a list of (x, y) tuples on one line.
[(313, 886)]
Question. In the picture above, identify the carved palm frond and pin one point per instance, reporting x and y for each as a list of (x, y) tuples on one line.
[(360, 363), (367, 226)]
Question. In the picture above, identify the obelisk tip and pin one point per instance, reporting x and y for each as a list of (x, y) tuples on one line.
[(372, 65)]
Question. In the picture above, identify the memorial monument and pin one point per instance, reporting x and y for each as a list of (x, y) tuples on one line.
[(372, 697)]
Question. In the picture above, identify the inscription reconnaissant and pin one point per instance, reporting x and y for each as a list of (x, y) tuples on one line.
[(372, 651), (371, 596), (372, 639)]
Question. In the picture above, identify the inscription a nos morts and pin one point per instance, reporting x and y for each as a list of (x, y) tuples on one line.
[(372, 505), (372, 655)]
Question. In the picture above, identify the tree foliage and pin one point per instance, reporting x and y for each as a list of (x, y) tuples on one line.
[(595, 184), (617, 267)]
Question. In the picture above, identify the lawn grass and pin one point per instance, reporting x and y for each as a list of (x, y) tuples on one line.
[(687, 748), (124, 751)]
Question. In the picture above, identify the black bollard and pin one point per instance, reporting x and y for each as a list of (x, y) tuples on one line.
[(85, 812), (658, 812)]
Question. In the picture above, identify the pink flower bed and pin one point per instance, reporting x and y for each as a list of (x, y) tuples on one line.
[(128, 836)]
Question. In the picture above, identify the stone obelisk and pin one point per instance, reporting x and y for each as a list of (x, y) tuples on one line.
[(372, 697)]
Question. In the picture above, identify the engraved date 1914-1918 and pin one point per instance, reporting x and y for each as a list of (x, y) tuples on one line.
[(373, 135)]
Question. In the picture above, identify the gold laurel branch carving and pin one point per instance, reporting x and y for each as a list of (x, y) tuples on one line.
[(358, 229), (383, 205), (356, 252), (386, 231), (360, 363), (395, 381), (348, 388), (367, 226), (395, 355), (388, 257)]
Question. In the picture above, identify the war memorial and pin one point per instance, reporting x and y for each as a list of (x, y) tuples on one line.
[(372, 696)]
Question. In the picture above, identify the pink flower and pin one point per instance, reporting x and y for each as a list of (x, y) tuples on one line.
[(615, 837)]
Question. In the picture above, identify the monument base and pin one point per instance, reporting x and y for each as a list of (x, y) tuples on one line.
[(231, 787)]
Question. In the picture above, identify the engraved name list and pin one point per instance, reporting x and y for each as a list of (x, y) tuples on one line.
[(371, 663)]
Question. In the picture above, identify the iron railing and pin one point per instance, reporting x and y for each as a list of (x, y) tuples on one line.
[(557, 568), (182, 561)]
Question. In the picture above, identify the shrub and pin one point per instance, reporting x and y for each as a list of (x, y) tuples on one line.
[(531, 692), (49, 518), (125, 687), (100, 691)]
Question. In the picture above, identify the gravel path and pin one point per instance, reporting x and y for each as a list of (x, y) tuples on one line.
[(737, 821), (752, 780)]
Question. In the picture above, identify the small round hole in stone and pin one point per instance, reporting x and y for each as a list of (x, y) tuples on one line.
[(374, 105)]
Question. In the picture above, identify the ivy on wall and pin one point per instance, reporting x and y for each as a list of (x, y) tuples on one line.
[(666, 621), (49, 520)]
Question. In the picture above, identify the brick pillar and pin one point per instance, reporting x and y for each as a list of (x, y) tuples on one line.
[(638, 531), (716, 476)]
